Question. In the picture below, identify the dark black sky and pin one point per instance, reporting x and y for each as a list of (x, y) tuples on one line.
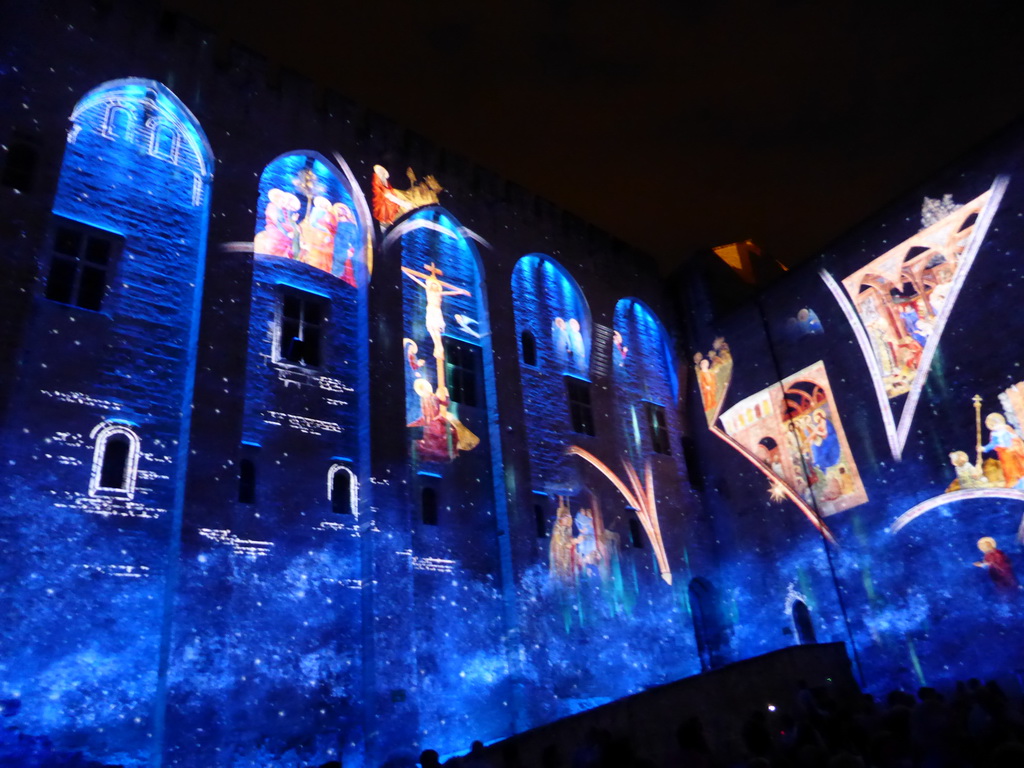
[(672, 124)]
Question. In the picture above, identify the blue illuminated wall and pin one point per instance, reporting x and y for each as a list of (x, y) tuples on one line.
[(908, 317), (591, 578), (272, 580), (108, 352), (547, 298), (455, 511), (356, 517)]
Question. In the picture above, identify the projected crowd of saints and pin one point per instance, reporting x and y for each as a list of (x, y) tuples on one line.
[(306, 226), (580, 546), (900, 295), (390, 203), (999, 461), (713, 373), (570, 350), (443, 435)]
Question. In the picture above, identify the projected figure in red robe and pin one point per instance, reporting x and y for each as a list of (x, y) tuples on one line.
[(387, 206), (443, 434), (390, 203), (997, 564)]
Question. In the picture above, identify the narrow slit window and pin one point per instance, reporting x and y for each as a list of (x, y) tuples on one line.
[(636, 533), (428, 506), (540, 521), (247, 481), (529, 344)]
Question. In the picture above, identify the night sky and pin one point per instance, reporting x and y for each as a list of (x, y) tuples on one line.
[(672, 124)]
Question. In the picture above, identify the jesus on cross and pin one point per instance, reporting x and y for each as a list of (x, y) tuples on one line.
[(436, 290)]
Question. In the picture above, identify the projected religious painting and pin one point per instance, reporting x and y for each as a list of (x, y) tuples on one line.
[(639, 494), (988, 464), (898, 304), (443, 354), (389, 202), (790, 432), (307, 212), (713, 373), (580, 546)]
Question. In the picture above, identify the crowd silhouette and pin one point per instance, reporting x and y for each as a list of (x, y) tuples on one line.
[(974, 725)]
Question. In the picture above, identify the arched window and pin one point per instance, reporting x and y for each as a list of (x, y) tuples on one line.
[(117, 121), (115, 460), (163, 140), (342, 490), (546, 297)]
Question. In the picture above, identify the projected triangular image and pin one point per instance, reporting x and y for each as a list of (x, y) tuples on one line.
[(791, 433), (898, 303)]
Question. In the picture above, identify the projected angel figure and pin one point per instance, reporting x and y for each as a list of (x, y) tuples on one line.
[(436, 290), (713, 374)]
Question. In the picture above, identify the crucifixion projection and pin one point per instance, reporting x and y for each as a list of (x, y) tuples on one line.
[(443, 434)]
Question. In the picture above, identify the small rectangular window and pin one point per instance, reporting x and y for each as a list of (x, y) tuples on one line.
[(80, 261), (463, 369), (581, 413), (300, 323), (657, 427)]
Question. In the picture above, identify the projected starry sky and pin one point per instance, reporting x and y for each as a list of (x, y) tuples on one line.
[(672, 125)]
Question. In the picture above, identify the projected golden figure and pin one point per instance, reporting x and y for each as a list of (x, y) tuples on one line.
[(390, 203)]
